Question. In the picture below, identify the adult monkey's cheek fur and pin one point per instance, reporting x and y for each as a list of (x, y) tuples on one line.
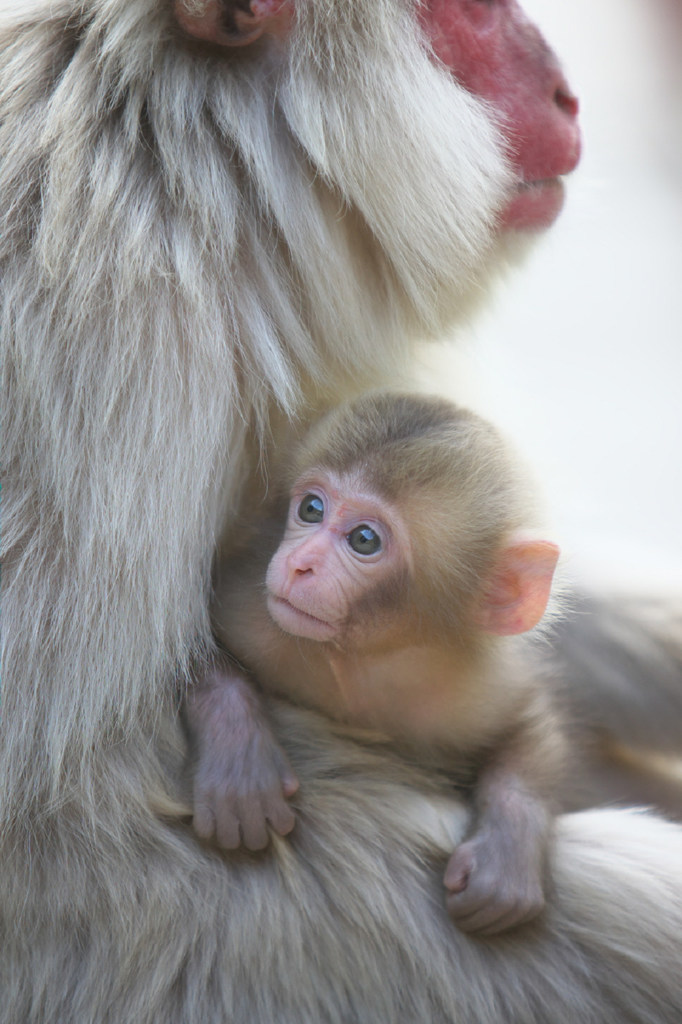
[(492, 49)]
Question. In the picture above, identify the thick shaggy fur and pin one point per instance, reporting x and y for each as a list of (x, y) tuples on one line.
[(167, 232), (193, 249), (344, 920)]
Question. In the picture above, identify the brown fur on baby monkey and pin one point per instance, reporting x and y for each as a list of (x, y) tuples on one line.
[(390, 603)]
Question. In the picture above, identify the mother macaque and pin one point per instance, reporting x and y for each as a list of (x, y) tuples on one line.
[(200, 244)]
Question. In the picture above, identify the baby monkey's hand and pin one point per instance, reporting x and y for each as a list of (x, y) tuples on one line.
[(496, 879), (242, 776)]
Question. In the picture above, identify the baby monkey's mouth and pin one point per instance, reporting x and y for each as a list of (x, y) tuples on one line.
[(297, 621)]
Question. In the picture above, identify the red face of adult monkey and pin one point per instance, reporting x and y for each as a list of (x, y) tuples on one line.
[(497, 53)]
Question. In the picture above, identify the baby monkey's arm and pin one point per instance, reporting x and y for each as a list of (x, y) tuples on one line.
[(496, 879), (242, 777)]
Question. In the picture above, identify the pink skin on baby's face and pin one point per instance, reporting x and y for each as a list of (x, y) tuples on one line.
[(338, 545)]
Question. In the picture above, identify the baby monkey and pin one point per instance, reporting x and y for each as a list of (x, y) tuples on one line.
[(392, 602)]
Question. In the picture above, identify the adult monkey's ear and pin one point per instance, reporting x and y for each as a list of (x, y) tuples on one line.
[(228, 22)]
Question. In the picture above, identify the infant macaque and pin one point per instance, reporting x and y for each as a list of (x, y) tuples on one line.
[(390, 603)]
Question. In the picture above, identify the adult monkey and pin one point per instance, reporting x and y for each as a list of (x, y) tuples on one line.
[(177, 274)]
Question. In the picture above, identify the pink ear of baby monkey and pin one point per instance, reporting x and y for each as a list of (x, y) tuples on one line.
[(516, 594)]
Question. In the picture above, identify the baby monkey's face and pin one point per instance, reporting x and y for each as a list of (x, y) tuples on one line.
[(344, 552)]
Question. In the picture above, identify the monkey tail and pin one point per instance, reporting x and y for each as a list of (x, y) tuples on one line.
[(617, 662)]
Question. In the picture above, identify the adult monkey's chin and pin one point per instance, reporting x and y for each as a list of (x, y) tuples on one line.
[(534, 206)]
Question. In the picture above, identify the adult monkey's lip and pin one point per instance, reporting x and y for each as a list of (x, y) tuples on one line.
[(534, 205)]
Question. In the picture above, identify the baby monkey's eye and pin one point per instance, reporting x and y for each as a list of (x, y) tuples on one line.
[(311, 509), (364, 540)]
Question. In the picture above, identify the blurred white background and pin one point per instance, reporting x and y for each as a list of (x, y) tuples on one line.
[(580, 358)]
